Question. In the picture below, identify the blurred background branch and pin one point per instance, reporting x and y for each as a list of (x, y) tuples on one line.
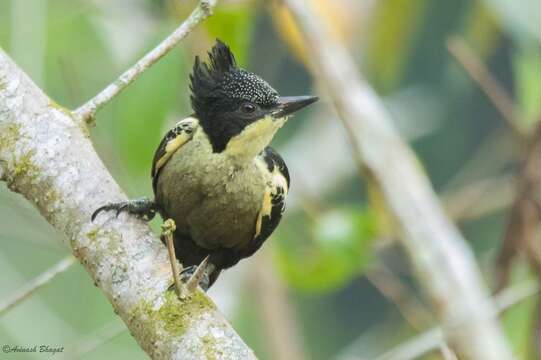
[(433, 339), (479, 72), (43, 279), (86, 112), (443, 262)]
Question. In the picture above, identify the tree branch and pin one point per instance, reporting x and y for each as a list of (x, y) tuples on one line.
[(443, 262), (86, 112), (522, 234), (48, 158)]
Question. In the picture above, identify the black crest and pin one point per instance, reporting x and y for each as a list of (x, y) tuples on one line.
[(207, 78), (221, 78), (219, 88), (221, 59)]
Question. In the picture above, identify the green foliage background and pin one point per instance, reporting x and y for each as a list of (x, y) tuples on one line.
[(322, 253)]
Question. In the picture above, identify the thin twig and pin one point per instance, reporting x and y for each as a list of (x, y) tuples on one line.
[(444, 264), (515, 294), (492, 154), (478, 71), (168, 228), (392, 288), (447, 353), (479, 198), (433, 339), (521, 233), (86, 112), (35, 284)]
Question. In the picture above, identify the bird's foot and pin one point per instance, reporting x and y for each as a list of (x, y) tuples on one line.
[(193, 276), (143, 208)]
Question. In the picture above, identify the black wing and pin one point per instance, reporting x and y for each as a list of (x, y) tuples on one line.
[(274, 199), (179, 135)]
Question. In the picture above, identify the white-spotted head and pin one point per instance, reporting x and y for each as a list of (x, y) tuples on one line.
[(239, 111)]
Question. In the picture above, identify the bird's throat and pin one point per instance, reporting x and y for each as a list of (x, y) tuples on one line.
[(253, 139)]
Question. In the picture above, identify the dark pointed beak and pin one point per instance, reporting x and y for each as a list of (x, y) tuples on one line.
[(289, 104)]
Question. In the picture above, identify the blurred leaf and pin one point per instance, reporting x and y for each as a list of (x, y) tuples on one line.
[(342, 17), (395, 24), (140, 112), (233, 24), (77, 62), (383, 219), (527, 70), (481, 30), (248, 321), (518, 322), (342, 248)]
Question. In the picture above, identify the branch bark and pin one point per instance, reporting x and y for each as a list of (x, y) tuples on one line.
[(443, 262), (47, 156)]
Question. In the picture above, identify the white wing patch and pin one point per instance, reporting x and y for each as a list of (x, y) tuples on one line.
[(275, 194), (279, 179)]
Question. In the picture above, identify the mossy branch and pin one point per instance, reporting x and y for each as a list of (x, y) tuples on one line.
[(46, 156)]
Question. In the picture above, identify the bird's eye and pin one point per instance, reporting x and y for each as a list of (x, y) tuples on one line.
[(247, 107)]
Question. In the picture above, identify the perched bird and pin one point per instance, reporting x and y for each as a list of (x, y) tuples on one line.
[(214, 173)]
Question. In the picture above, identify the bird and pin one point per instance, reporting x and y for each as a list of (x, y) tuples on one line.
[(214, 173)]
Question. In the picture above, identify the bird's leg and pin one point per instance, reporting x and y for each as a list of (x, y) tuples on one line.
[(168, 228), (143, 208)]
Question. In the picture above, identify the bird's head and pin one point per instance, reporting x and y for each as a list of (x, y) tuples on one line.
[(239, 111)]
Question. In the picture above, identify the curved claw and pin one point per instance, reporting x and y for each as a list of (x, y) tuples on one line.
[(121, 208), (142, 208), (98, 210), (95, 213)]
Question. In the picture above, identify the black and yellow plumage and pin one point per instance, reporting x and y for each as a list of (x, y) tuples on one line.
[(214, 174)]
